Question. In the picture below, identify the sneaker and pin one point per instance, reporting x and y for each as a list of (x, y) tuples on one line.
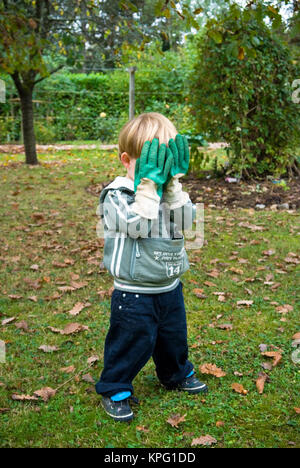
[(118, 410), (193, 385)]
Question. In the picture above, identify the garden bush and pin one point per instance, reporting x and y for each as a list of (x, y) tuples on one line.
[(242, 94)]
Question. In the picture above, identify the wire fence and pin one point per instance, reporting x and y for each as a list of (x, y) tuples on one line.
[(91, 114)]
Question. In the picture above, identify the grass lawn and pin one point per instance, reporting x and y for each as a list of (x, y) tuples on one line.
[(49, 261)]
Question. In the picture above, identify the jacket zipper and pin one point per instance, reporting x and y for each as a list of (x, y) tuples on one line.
[(137, 250), (135, 254)]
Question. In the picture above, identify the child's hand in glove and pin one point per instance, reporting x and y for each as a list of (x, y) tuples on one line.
[(173, 193), (181, 157), (155, 164)]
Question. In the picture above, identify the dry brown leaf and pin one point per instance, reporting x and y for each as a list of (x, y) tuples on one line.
[(48, 349), (92, 360), (239, 388), (88, 378), (284, 309), (67, 370), (78, 308), (260, 382), (210, 284), (7, 321), (22, 325), (33, 298), (73, 328), (16, 397), (275, 355), (142, 429), (204, 440), (176, 419), (296, 336), (220, 424), (211, 369), (69, 329), (268, 253), (225, 326), (246, 303), (199, 293), (55, 330), (297, 410), (45, 393), (76, 285), (66, 288)]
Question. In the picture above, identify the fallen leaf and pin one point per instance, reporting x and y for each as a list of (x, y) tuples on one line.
[(225, 326), (268, 253), (247, 303), (78, 308), (92, 360), (211, 369), (48, 349), (33, 298), (297, 410), (16, 397), (274, 354), (67, 370), (88, 378), (284, 309), (267, 366), (220, 424), (69, 329), (142, 429), (73, 328), (45, 393), (176, 419), (55, 330), (204, 440), (8, 320), (199, 293), (263, 347), (296, 336), (239, 388), (260, 382), (22, 325)]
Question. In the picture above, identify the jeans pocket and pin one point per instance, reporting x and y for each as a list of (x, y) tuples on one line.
[(124, 309)]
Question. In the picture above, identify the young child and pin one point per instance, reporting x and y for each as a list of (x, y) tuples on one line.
[(143, 214)]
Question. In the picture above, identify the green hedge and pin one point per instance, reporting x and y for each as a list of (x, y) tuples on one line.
[(95, 106)]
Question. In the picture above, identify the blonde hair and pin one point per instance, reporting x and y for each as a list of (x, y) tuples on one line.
[(143, 128)]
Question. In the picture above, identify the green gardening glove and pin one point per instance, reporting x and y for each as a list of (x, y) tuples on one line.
[(181, 157), (155, 164)]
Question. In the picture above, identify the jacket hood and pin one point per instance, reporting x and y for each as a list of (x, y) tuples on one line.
[(118, 183)]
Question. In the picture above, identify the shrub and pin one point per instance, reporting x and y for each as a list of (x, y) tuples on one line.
[(242, 93)]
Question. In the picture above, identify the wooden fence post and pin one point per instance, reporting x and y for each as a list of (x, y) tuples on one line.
[(132, 71)]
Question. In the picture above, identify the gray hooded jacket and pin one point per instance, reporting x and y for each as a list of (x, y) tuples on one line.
[(143, 255)]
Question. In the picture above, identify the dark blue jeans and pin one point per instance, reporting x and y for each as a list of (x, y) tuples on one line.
[(141, 326)]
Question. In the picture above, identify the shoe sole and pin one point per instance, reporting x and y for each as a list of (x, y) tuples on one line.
[(125, 418), (200, 389)]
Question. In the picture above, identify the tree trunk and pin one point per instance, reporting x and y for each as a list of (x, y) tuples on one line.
[(28, 126)]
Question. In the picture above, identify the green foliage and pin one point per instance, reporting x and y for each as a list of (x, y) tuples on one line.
[(241, 87), (95, 106)]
